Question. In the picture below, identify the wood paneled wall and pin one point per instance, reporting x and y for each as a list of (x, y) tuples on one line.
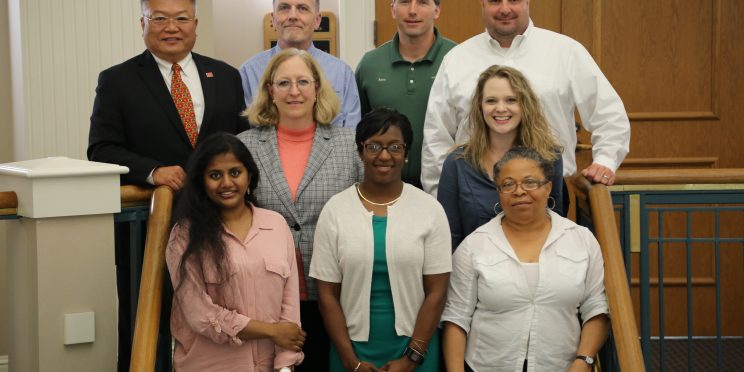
[(671, 62)]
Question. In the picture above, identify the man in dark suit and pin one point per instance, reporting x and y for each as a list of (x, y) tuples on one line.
[(151, 111), (135, 122)]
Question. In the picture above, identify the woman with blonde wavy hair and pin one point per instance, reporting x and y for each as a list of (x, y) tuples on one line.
[(504, 112), (303, 161)]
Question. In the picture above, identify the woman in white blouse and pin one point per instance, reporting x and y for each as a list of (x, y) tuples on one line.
[(519, 280)]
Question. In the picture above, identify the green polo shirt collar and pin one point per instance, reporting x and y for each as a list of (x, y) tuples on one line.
[(396, 57)]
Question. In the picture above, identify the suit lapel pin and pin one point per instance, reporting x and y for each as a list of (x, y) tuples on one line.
[(210, 74)]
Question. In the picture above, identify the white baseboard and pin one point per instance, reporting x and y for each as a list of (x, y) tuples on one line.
[(3, 363)]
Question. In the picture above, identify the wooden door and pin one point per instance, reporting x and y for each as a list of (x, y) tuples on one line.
[(676, 65)]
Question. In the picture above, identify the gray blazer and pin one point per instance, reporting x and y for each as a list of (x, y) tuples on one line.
[(333, 166)]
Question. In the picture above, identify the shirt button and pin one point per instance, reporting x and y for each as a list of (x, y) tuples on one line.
[(412, 68), (410, 81)]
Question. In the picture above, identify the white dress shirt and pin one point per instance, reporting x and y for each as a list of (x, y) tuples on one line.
[(561, 72), (489, 297)]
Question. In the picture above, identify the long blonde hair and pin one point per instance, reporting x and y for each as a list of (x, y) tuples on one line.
[(533, 131), (263, 112)]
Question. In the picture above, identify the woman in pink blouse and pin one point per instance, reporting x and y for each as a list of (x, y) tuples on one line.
[(234, 272)]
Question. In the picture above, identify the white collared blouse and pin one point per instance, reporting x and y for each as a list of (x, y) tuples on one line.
[(489, 297)]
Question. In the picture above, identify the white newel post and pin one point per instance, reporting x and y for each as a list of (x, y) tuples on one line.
[(61, 272)]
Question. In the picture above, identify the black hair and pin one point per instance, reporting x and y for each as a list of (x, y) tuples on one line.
[(379, 121), (521, 152), (199, 213)]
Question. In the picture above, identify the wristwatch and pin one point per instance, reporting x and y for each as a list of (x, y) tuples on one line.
[(414, 356), (586, 358), (285, 369)]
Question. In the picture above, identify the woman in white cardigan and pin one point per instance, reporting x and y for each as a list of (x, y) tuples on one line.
[(382, 256)]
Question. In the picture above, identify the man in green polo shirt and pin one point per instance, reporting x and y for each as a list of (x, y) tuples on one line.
[(400, 72)]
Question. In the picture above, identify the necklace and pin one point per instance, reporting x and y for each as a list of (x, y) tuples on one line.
[(373, 203)]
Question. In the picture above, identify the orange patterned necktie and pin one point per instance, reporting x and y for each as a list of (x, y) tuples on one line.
[(182, 99)]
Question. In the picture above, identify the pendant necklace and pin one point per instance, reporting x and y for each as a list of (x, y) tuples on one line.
[(373, 203)]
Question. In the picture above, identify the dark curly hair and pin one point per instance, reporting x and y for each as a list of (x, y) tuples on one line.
[(199, 213)]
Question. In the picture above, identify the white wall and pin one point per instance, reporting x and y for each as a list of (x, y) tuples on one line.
[(204, 30), (6, 155), (6, 107), (357, 32), (57, 48)]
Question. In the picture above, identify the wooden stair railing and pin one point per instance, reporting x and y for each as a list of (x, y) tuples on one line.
[(135, 195), (144, 344), (8, 203), (597, 198)]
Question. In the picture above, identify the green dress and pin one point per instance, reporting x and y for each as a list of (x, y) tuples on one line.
[(383, 344)]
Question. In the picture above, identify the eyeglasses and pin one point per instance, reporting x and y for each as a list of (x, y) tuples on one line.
[(163, 20), (509, 187), (286, 84), (376, 148)]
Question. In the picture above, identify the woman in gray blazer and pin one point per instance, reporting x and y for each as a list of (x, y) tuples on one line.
[(303, 161)]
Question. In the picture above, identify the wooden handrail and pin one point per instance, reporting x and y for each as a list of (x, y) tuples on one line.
[(8, 199), (144, 345), (679, 176), (622, 317), (8, 203), (132, 195)]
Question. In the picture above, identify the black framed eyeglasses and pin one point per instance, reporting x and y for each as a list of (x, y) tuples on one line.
[(376, 148), (509, 187)]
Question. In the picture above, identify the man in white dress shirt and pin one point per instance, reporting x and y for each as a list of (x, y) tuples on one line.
[(560, 70)]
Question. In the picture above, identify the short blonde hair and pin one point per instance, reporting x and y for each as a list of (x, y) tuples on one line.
[(263, 111), (533, 131)]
